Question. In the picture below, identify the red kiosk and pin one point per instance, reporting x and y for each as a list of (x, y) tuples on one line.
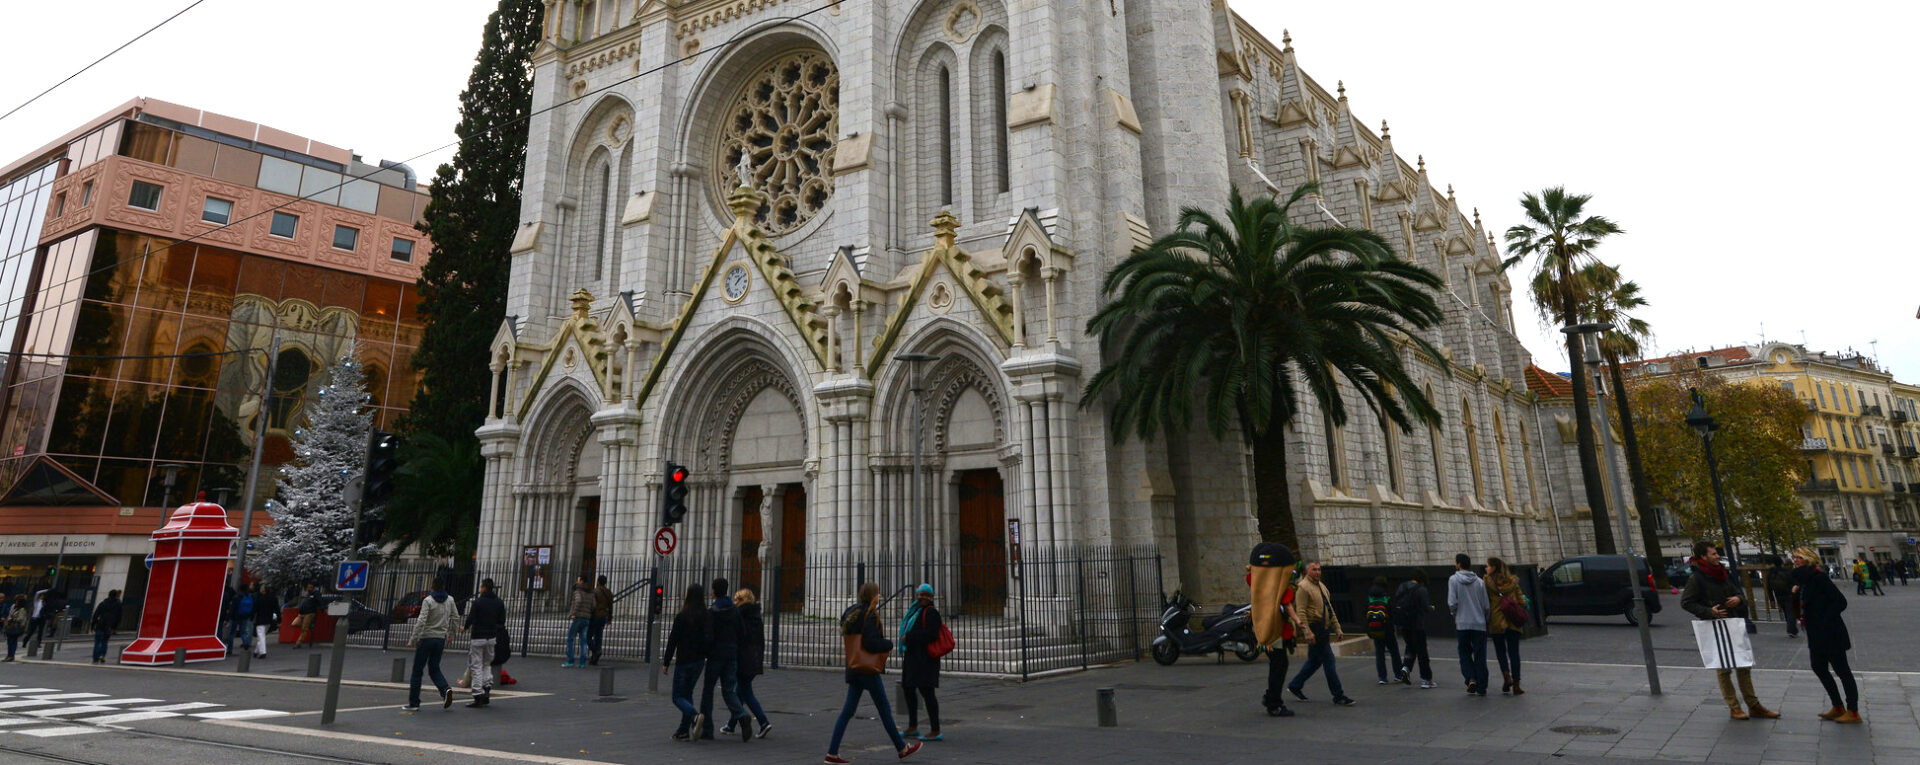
[(189, 577)]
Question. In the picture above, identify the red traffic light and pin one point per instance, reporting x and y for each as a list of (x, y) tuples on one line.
[(677, 474)]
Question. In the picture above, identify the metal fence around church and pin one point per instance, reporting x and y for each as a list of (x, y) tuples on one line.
[(1011, 615)]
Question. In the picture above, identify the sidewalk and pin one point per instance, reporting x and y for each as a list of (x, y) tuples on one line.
[(1193, 707)]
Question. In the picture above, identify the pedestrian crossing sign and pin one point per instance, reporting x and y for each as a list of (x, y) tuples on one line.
[(352, 576)]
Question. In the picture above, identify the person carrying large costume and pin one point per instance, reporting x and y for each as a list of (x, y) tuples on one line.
[(1270, 577)]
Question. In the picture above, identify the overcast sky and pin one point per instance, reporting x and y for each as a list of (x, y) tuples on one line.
[(1750, 150)]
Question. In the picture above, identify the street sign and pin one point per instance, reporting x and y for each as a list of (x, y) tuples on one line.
[(664, 540), (1013, 546), (351, 576), (536, 565)]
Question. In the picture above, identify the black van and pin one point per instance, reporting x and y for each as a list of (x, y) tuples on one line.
[(1595, 585)]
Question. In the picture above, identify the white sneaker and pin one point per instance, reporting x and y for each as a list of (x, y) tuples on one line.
[(1426, 684)]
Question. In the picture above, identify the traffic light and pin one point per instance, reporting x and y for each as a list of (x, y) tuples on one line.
[(675, 506), (382, 460), (656, 598)]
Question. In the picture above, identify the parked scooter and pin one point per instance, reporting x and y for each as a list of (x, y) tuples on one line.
[(1229, 630)]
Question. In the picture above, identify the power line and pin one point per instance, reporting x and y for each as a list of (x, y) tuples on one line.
[(96, 62), (729, 42)]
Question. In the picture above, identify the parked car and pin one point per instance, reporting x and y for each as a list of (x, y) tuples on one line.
[(407, 607), (1677, 573), (1596, 585), (360, 616)]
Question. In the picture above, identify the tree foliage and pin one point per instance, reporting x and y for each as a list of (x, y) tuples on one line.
[(1246, 317), (471, 216), (1756, 445), (312, 529)]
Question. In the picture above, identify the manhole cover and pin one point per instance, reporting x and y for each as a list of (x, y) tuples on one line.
[(1585, 730)]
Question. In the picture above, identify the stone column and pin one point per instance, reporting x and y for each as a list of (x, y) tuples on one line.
[(845, 403), (498, 512), (621, 527)]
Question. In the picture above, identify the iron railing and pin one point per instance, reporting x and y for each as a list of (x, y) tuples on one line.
[(1011, 615)]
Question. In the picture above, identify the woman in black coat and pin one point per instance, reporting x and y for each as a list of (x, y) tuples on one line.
[(919, 670), (753, 651), (1827, 639)]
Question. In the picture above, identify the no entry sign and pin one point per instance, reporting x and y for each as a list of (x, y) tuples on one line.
[(663, 541)]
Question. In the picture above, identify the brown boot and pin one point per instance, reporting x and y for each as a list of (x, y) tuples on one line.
[(1834, 713), (1736, 713), (1851, 718), (1506, 681), (1517, 691), (1754, 709)]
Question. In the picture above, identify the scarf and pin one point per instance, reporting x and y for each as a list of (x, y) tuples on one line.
[(1716, 571), (913, 615)]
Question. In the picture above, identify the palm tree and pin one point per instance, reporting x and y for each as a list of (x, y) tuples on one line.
[(1237, 315), (1559, 235), (1608, 299), (436, 498)]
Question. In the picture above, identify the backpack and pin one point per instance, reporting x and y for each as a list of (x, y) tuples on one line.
[(245, 606), (1401, 609), (1377, 620)]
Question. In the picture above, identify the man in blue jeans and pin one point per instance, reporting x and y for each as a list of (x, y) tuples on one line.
[(1314, 622), (106, 619), (723, 663), (429, 640), (1467, 599), (580, 608)]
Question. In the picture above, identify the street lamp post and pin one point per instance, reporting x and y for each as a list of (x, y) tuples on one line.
[(1590, 345), (1703, 423), (170, 473), (913, 364)]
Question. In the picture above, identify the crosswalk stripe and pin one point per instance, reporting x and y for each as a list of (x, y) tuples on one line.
[(122, 702), (128, 717), (69, 696), (67, 730), (7, 721), (180, 707), (27, 703), (76, 709), (25, 691), (241, 714)]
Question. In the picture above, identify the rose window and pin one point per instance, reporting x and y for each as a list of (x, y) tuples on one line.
[(783, 123)]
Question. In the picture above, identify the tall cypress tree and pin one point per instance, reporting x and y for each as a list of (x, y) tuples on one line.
[(471, 216)]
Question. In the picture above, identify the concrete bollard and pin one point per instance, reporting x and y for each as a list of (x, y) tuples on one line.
[(313, 665), (1109, 716), (46, 650), (399, 670), (606, 681), (179, 657), (246, 662)]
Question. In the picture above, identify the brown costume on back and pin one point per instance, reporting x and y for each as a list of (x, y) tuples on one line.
[(1268, 584)]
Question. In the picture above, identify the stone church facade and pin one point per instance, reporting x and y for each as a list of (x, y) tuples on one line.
[(739, 214)]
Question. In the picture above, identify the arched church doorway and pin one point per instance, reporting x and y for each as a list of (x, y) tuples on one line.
[(793, 536), (982, 542), (589, 535)]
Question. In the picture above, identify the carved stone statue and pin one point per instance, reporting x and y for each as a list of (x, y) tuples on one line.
[(744, 169)]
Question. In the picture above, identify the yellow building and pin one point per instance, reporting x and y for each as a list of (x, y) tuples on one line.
[(1859, 440)]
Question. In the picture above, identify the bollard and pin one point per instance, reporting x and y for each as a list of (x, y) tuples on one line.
[(179, 657), (1109, 716), (399, 670), (313, 665), (246, 662), (46, 650), (606, 681)]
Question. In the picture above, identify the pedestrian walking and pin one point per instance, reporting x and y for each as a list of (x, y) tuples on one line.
[(19, 616), (1779, 583), (580, 609), (862, 622), (1503, 631), (106, 619), (486, 620), (1409, 608), (688, 641), (1712, 593), (1313, 619), (266, 614), (228, 628), (753, 651), (429, 641), (1270, 569), (919, 668), (602, 611), (1467, 600), (1380, 631), (38, 616), (1860, 581), (309, 611), (1820, 603), (723, 665), (241, 622), (1874, 578)]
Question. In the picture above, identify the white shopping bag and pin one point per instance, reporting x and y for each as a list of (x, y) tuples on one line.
[(1723, 643)]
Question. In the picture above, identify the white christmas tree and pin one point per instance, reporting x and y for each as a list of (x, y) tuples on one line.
[(312, 529)]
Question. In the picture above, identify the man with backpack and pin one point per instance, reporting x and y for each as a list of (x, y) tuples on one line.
[(240, 623), (1380, 631), (486, 621), (1408, 609)]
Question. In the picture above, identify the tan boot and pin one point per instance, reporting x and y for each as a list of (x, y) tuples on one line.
[(1850, 718), (1736, 713), (1833, 714), (1755, 709)]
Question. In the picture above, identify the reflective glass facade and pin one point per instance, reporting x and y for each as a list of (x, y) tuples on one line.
[(23, 208)]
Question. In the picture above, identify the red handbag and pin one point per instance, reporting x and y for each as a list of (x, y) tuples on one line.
[(942, 645)]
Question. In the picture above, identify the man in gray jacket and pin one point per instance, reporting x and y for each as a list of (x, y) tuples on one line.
[(429, 640), (1467, 599)]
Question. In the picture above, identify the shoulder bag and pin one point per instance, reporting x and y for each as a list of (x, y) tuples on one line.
[(861, 661)]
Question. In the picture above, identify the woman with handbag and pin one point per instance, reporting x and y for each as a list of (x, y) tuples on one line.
[(866, 650), (1820, 603), (919, 668), (1504, 622)]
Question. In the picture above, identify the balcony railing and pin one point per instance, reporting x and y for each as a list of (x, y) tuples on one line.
[(1887, 449), (1899, 416), (1908, 452), (1897, 487), (1811, 405), (1813, 444), (1872, 410), (1821, 484)]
